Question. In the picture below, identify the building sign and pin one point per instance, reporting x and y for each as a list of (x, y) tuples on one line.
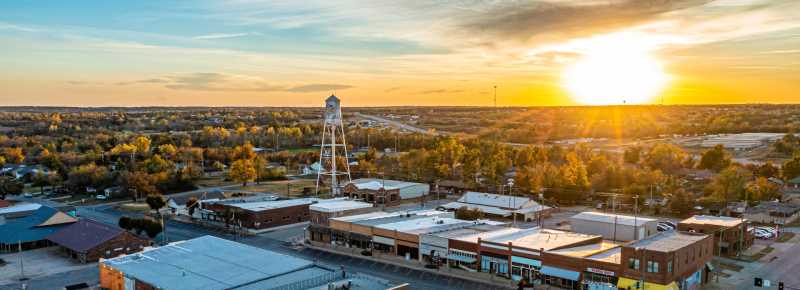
[(600, 271)]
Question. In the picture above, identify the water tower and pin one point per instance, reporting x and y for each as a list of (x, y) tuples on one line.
[(332, 145)]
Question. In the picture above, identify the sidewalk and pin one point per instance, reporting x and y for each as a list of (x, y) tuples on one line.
[(416, 265)]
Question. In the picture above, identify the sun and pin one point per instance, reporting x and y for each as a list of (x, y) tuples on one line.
[(615, 76)]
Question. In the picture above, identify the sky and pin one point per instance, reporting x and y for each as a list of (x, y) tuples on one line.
[(395, 53)]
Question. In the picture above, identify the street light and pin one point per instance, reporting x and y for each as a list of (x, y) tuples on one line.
[(510, 183)]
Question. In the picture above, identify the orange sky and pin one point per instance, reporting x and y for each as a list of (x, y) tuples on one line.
[(389, 53)]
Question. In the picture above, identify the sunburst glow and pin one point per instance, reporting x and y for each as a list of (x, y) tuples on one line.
[(615, 76)]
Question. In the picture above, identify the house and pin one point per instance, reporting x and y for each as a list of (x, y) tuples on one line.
[(730, 234), (613, 226), (501, 206), (177, 203), (28, 227), (87, 241), (212, 263), (771, 212), (385, 191)]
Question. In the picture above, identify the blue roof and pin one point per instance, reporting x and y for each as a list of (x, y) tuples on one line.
[(560, 273), (24, 229)]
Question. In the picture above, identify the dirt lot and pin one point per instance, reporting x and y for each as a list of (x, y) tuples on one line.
[(293, 186)]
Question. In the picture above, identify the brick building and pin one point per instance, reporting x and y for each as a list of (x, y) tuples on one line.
[(261, 214), (385, 191), (669, 260), (88, 241), (730, 234)]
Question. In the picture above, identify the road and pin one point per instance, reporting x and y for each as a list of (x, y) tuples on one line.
[(784, 267), (395, 124)]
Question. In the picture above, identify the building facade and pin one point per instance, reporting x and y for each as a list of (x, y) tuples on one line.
[(730, 234)]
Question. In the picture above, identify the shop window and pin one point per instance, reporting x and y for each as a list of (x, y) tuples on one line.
[(669, 267), (633, 264), (652, 267)]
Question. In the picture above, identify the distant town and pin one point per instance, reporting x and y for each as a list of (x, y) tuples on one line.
[(369, 198)]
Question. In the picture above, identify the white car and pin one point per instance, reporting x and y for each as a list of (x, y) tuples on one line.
[(101, 196), (769, 229)]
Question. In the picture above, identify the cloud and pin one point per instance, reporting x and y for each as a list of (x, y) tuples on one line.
[(209, 81), (392, 89), (221, 35), (317, 88), (440, 91)]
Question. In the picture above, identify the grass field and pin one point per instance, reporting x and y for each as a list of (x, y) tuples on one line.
[(294, 187)]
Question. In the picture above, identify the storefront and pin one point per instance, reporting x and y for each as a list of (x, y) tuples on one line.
[(694, 281), (383, 244), (494, 264), (624, 283), (525, 269), (563, 278), (462, 259), (599, 279)]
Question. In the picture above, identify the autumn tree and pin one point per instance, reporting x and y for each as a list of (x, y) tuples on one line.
[(666, 157), (242, 171), (715, 159), (762, 189), (791, 168), (729, 184), (10, 186), (136, 184)]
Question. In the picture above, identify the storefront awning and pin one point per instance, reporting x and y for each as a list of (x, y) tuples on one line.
[(526, 261), (461, 258), (624, 283), (560, 273), (710, 267)]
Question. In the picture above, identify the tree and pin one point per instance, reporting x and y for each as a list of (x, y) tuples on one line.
[(262, 172), (244, 152), (762, 189), (632, 154), (155, 202), (451, 152), (156, 164), (142, 144), (465, 213), (574, 172), (168, 150), (125, 223), (242, 171), (218, 166), (13, 155), (791, 168), (666, 157), (152, 228), (191, 204), (681, 202), (136, 184), (715, 159), (10, 186), (729, 184)]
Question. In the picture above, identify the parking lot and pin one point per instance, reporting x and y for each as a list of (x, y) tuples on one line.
[(36, 264)]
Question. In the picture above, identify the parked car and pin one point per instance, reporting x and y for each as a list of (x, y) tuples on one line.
[(101, 196), (27, 195), (664, 228), (671, 224), (769, 229)]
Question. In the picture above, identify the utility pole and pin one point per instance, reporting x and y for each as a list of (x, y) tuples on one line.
[(21, 266), (635, 217), (495, 98), (614, 212)]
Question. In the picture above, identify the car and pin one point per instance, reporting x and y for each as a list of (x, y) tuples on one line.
[(769, 229), (671, 224), (27, 195), (664, 228), (764, 235), (101, 196)]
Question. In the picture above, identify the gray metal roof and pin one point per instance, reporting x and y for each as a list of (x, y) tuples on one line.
[(206, 262)]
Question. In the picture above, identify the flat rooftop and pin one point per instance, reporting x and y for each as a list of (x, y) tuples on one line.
[(613, 255), (537, 238), (274, 204), (422, 224), (376, 184), (724, 221), (612, 218), (339, 205), (467, 231), (667, 241), (210, 263), (586, 250)]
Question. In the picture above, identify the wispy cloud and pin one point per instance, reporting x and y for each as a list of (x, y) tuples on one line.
[(317, 88), (222, 35), (441, 91)]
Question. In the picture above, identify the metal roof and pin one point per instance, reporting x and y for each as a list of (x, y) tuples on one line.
[(84, 235), (376, 183), (612, 218), (26, 229), (537, 238), (494, 200), (338, 205), (208, 263), (724, 221)]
